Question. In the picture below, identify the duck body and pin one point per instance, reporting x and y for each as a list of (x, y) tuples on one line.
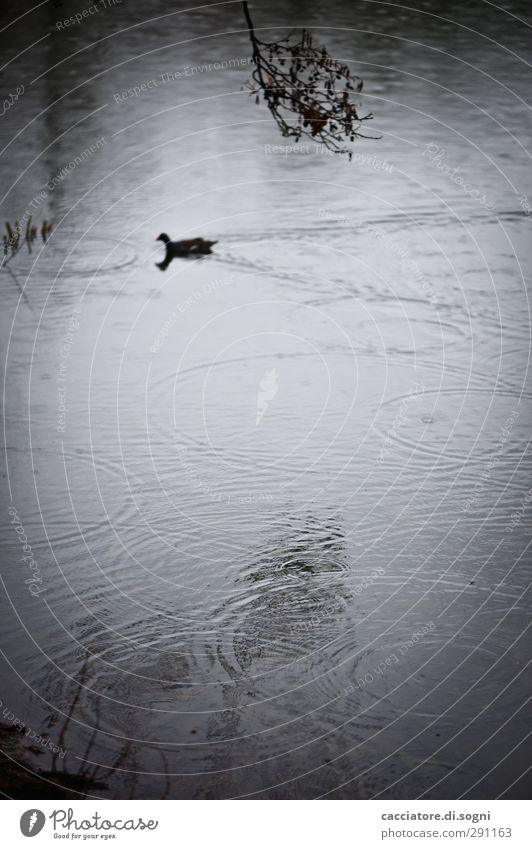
[(183, 248)]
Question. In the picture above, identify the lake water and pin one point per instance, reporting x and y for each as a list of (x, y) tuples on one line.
[(279, 497)]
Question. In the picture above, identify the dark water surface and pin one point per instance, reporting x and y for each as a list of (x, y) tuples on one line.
[(282, 525)]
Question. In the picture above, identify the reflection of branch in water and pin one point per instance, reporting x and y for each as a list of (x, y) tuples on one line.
[(20, 779), (85, 770), (310, 546), (82, 679), (90, 775), (15, 278), (299, 578), (14, 241), (168, 785)]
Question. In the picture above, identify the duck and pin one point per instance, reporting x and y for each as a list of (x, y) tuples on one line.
[(183, 248)]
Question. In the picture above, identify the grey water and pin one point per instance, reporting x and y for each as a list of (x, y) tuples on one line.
[(278, 497)]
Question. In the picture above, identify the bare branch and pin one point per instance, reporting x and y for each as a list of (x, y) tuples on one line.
[(307, 92)]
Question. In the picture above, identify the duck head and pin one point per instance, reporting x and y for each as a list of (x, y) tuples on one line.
[(163, 238)]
